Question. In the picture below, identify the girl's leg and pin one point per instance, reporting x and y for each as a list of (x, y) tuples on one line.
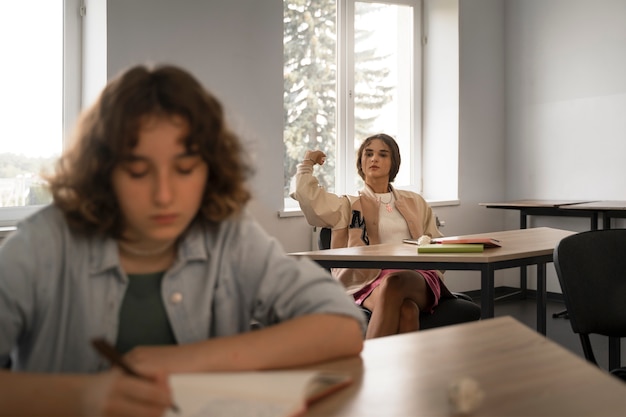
[(409, 317), (396, 303)]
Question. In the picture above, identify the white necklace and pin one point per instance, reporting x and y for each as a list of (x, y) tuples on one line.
[(124, 246), (387, 204)]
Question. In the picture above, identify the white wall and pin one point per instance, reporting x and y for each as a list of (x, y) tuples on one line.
[(565, 104), (235, 48), (566, 99), (440, 100)]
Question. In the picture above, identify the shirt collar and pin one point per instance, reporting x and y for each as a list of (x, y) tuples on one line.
[(368, 191), (104, 255)]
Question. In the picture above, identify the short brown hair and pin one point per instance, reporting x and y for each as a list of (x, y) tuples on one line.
[(107, 132), (395, 155)]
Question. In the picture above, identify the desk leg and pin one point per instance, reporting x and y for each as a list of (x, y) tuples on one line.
[(487, 292), (542, 297), (523, 274), (615, 360), (523, 280)]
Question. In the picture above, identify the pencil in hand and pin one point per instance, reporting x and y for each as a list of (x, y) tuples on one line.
[(109, 352)]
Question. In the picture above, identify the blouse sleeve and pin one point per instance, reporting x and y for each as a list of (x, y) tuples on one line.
[(320, 208)]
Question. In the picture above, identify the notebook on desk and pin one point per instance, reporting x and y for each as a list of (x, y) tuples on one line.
[(450, 248), (487, 242), (282, 393)]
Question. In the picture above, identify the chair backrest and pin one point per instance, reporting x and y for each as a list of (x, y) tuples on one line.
[(591, 268), (323, 240)]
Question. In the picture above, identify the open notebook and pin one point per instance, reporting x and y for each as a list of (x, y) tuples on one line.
[(252, 394)]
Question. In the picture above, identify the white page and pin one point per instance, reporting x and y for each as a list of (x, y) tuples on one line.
[(240, 394)]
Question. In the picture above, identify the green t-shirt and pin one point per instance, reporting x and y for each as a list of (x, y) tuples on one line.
[(143, 319)]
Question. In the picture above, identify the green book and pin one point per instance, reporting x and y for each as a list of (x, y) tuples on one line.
[(450, 248)]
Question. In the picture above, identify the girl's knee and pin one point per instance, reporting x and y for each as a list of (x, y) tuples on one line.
[(403, 282), (409, 310)]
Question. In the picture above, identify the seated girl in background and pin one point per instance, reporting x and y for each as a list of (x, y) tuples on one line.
[(379, 214), (147, 244)]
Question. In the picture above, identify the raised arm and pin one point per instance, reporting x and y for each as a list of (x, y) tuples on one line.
[(320, 207)]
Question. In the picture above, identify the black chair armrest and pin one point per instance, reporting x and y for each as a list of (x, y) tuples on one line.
[(462, 296)]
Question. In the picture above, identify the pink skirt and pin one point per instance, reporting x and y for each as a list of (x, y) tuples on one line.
[(433, 282)]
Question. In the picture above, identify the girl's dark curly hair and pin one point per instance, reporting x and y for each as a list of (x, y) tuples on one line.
[(395, 155), (108, 131)]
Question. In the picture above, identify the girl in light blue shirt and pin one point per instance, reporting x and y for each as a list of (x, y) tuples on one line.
[(148, 245)]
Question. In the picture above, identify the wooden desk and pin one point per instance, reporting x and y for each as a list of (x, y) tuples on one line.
[(532, 207), (608, 210), (546, 208), (519, 248), (521, 373)]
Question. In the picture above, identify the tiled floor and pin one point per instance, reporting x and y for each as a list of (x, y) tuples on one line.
[(558, 329)]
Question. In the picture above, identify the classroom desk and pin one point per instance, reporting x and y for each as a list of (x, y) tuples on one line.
[(608, 210), (561, 208), (547, 208), (521, 373), (557, 208), (521, 247)]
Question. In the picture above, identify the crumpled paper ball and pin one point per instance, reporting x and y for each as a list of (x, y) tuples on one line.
[(465, 395), (423, 240)]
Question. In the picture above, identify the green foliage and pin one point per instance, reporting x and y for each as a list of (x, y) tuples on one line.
[(310, 73), (20, 183), (12, 165), (38, 194)]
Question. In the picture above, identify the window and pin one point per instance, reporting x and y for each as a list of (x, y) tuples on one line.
[(351, 69), (40, 76)]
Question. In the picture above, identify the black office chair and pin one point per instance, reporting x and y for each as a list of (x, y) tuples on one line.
[(591, 267), (459, 309)]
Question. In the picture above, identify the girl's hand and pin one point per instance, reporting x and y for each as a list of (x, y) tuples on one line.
[(318, 157), (114, 393)]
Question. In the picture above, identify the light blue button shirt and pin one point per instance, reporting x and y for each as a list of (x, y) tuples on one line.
[(58, 290)]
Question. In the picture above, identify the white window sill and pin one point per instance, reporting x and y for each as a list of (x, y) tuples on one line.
[(290, 213), (5, 231), (297, 212)]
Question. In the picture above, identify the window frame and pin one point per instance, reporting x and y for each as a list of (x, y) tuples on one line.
[(73, 11), (345, 171)]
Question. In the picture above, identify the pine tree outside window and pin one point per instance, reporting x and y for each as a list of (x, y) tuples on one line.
[(351, 70)]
